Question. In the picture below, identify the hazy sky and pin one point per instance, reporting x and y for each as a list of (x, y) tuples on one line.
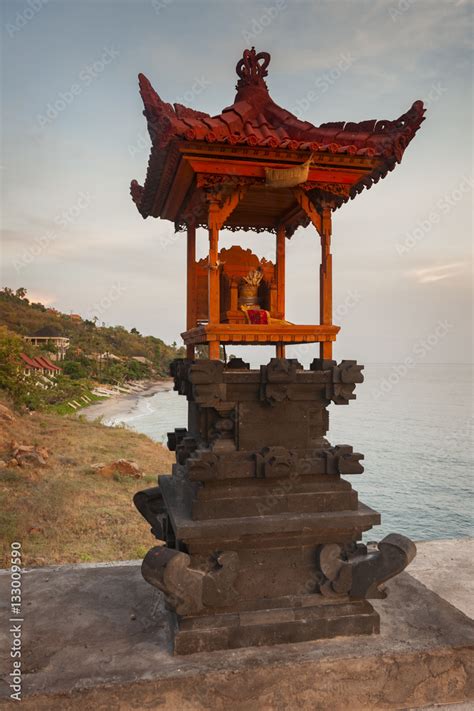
[(74, 136)]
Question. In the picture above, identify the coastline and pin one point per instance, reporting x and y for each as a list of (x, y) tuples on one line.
[(122, 404)]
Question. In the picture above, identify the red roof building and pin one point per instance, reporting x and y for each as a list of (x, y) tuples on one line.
[(39, 364), (46, 363)]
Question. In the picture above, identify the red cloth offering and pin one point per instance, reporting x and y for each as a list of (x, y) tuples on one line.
[(257, 316)]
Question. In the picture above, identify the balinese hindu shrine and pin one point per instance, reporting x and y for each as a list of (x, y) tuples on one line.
[(262, 529)]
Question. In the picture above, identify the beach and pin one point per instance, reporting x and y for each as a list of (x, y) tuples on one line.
[(119, 407)]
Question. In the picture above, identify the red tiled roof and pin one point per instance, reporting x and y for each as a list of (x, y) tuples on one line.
[(45, 363), (255, 119), (30, 362), (38, 362), (50, 364)]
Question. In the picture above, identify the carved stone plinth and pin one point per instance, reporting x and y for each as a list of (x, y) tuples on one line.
[(262, 532)]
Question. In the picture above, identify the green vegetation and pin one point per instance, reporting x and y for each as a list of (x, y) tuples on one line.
[(21, 388), (104, 354), (87, 339)]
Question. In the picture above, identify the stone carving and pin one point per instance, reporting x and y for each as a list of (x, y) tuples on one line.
[(204, 372), (346, 460), (344, 378), (321, 364), (269, 462), (151, 506), (223, 431), (360, 573), (237, 364), (188, 590), (179, 369), (276, 377), (175, 438), (169, 571), (277, 462), (206, 378), (186, 446), (337, 573), (259, 497), (202, 465), (394, 553)]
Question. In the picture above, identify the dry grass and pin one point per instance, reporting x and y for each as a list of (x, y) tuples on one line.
[(65, 513)]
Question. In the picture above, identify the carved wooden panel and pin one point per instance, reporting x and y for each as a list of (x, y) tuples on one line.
[(235, 263)]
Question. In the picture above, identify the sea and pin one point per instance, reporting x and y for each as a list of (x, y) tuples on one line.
[(414, 427)]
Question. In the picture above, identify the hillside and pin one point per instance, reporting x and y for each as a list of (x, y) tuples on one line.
[(65, 511), (88, 341)]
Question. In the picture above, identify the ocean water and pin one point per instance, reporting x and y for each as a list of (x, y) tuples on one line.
[(414, 427)]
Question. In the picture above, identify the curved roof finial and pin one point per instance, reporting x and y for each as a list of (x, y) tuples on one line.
[(252, 68)]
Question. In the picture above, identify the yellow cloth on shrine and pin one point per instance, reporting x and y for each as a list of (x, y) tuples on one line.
[(288, 177)]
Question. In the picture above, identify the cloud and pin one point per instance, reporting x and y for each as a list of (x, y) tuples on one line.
[(41, 297), (431, 274)]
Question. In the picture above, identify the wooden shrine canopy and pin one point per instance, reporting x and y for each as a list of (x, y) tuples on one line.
[(221, 172)]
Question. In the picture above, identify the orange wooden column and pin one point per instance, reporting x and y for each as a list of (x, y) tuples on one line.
[(322, 220), (213, 275), (280, 275), (191, 284), (325, 279)]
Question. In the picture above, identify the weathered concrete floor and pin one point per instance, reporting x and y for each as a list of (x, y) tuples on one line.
[(97, 638), (447, 568)]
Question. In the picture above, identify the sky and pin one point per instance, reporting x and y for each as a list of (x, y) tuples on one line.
[(73, 136)]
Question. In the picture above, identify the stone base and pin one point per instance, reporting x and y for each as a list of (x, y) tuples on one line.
[(99, 637), (262, 533), (275, 626)]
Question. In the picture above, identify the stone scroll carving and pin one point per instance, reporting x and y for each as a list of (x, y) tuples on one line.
[(188, 591), (360, 572), (150, 504)]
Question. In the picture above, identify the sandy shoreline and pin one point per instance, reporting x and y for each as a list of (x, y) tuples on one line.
[(124, 404)]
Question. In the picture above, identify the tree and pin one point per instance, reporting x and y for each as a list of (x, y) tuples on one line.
[(12, 378), (75, 369), (135, 332), (20, 293), (10, 348)]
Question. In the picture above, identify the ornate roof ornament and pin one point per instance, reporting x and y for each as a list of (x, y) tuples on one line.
[(252, 68)]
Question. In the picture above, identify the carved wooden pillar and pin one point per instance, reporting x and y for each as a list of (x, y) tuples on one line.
[(221, 204), (280, 260), (321, 220), (325, 279), (191, 283), (213, 274), (280, 275)]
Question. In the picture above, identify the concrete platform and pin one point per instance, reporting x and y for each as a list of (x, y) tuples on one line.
[(96, 637)]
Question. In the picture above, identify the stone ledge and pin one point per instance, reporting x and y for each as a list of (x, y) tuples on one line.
[(98, 638)]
